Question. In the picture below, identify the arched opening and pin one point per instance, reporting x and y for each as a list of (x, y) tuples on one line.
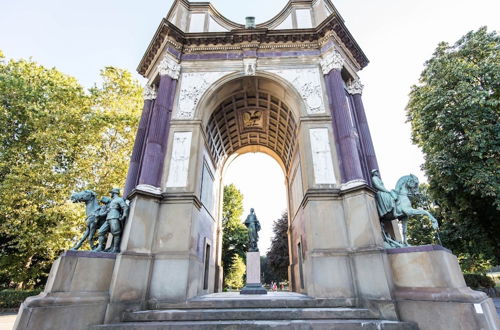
[(253, 114)]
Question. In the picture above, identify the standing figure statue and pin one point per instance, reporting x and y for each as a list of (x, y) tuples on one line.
[(253, 225), (94, 215), (396, 204), (115, 218)]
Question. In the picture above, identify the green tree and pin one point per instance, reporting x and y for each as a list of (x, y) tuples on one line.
[(420, 231), (235, 276), (234, 232), (277, 256), (455, 118), (51, 131)]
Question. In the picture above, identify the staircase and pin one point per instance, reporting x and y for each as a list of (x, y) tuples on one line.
[(275, 310)]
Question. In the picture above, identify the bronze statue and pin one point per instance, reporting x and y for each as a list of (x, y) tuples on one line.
[(115, 218), (396, 204), (253, 225), (95, 215)]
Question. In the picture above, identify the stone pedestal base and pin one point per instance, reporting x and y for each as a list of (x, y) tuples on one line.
[(75, 296), (431, 291), (253, 285)]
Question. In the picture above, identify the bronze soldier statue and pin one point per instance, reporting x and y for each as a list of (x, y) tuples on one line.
[(115, 218), (253, 225), (94, 221)]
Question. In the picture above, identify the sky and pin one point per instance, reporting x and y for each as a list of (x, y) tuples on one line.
[(81, 37)]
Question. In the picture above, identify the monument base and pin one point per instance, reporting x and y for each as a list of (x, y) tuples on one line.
[(253, 288), (431, 291), (76, 294), (253, 285)]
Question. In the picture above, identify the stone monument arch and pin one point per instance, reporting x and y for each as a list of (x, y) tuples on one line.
[(282, 93), (287, 87)]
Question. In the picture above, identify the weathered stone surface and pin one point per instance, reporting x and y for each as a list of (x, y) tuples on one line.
[(75, 296), (431, 291), (276, 325), (279, 310), (426, 269)]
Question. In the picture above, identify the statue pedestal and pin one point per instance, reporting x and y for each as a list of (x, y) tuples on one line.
[(430, 290), (76, 294), (253, 285)]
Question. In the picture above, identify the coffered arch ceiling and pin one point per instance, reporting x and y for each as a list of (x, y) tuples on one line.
[(250, 116)]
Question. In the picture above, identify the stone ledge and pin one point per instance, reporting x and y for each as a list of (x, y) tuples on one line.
[(88, 254), (66, 299), (460, 295), (423, 248)]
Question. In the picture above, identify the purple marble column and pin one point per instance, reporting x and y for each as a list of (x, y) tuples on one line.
[(349, 157), (140, 141), (355, 89), (156, 143)]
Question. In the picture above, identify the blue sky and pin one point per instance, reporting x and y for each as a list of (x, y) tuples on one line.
[(82, 37)]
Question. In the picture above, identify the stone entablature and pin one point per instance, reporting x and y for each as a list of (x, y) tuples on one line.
[(261, 42)]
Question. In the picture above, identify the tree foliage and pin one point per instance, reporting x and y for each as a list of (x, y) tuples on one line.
[(277, 256), (235, 234), (235, 276), (455, 118), (56, 138)]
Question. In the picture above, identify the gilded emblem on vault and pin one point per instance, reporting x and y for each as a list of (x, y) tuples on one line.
[(252, 120)]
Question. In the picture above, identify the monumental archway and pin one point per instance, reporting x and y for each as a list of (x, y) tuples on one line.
[(287, 87)]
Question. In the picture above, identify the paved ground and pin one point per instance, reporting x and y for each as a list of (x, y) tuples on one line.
[(7, 320)]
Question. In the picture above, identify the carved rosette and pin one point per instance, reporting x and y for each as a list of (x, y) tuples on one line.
[(250, 66), (149, 92), (355, 87), (169, 67), (332, 61)]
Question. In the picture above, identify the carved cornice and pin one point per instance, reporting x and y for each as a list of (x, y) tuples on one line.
[(355, 87), (332, 61), (149, 92), (169, 67), (168, 35)]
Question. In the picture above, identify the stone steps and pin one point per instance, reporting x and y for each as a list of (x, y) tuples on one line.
[(249, 314), (201, 303), (277, 311), (266, 324)]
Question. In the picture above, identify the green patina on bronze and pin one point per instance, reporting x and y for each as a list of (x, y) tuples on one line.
[(109, 218), (253, 225), (396, 204)]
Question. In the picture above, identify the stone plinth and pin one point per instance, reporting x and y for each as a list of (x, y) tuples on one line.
[(253, 286), (75, 296), (431, 291)]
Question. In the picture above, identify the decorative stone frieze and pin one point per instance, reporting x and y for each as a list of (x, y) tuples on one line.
[(355, 87), (193, 86), (179, 163), (149, 93), (250, 66), (332, 61), (169, 67), (321, 156), (308, 84)]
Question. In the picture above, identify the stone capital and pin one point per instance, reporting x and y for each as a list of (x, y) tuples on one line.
[(149, 92), (169, 67), (332, 61), (355, 87)]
